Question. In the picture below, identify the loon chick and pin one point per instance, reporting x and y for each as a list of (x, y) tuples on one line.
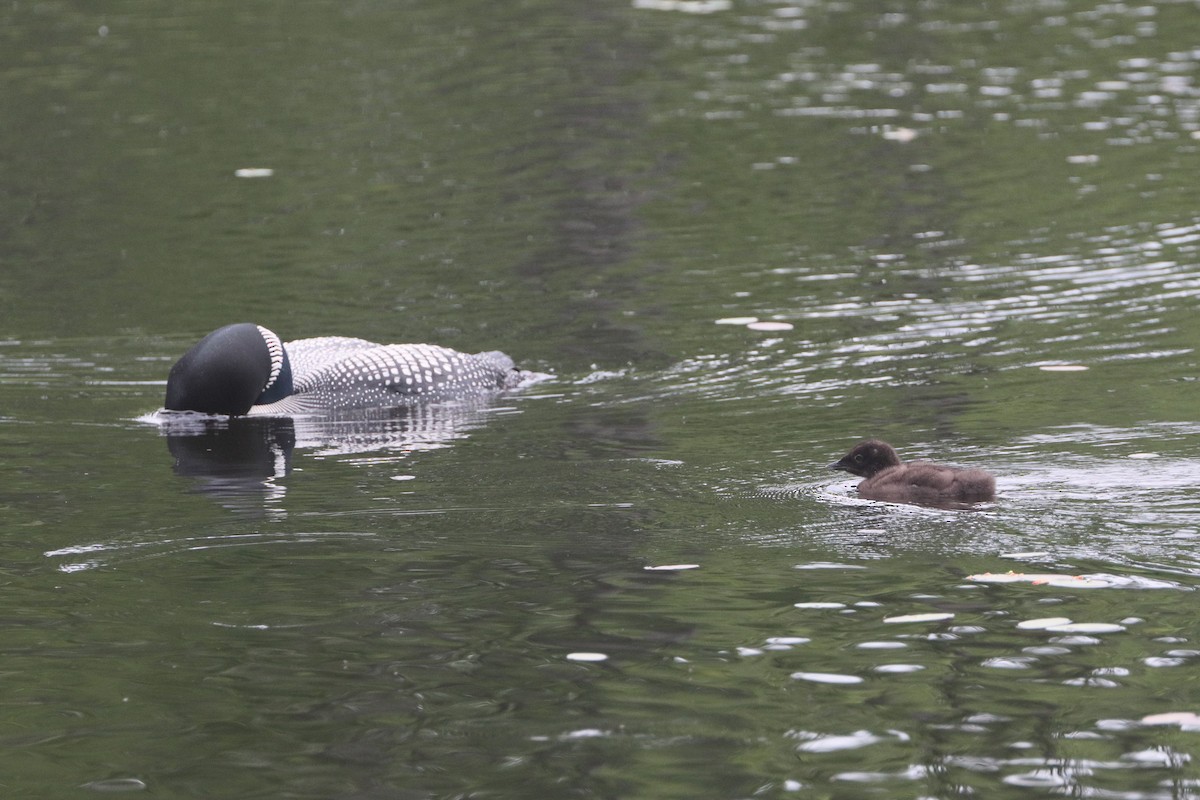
[(246, 369), (916, 482)]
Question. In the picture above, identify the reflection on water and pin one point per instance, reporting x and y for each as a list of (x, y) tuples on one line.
[(239, 461)]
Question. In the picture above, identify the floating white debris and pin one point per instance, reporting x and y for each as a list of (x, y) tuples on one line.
[(1043, 623), (1159, 662), (1063, 368), (831, 744), (933, 617), (671, 567), (1087, 627), (1041, 579), (1010, 662), (585, 733), (116, 785), (736, 320), (1142, 456), (826, 677), (1187, 718), (685, 6), (593, 657), (902, 135), (254, 172), (819, 605), (770, 326), (1088, 158), (404, 477), (881, 645)]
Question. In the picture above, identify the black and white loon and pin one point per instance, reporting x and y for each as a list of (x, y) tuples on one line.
[(246, 369)]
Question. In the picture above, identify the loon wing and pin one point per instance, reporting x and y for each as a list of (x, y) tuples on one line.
[(338, 373), (309, 357)]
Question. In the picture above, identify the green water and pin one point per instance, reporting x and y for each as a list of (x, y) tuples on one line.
[(943, 200)]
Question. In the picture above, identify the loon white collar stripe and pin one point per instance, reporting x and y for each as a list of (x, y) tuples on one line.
[(275, 347)]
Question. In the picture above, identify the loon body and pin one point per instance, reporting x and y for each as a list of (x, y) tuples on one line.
[(246, 369)]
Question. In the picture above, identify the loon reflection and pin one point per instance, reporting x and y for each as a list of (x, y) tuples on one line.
[(239, 461)]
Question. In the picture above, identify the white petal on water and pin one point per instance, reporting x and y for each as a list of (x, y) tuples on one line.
[(902, 135), (826, 677), (736, 320), (1042, 579), (1009, 662), (819, 605), (585, 733), (116, 785), (932, 617), (254, 172), (1046, 650), (1087, 627), (1043, 623), (587, 657), (671, 567), (1172, 718), (1076, 641), (881, 645), (770, 326), (684, 6), (1162, 661), (831, 744), (1092, 682)]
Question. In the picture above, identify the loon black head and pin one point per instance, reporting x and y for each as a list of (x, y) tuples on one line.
[(230, 370)]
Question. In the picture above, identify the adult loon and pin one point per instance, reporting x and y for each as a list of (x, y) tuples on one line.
[(920, 482), (246, 369)]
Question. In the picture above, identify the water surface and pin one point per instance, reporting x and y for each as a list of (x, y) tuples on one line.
[(973, 228)]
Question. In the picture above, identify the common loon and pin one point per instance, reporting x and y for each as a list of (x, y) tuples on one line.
[(246, 369), (920, 482)]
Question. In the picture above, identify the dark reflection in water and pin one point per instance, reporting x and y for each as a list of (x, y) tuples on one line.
[(239, 460), (236, 461)]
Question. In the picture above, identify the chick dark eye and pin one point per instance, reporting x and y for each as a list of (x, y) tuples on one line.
[(858, 458)]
